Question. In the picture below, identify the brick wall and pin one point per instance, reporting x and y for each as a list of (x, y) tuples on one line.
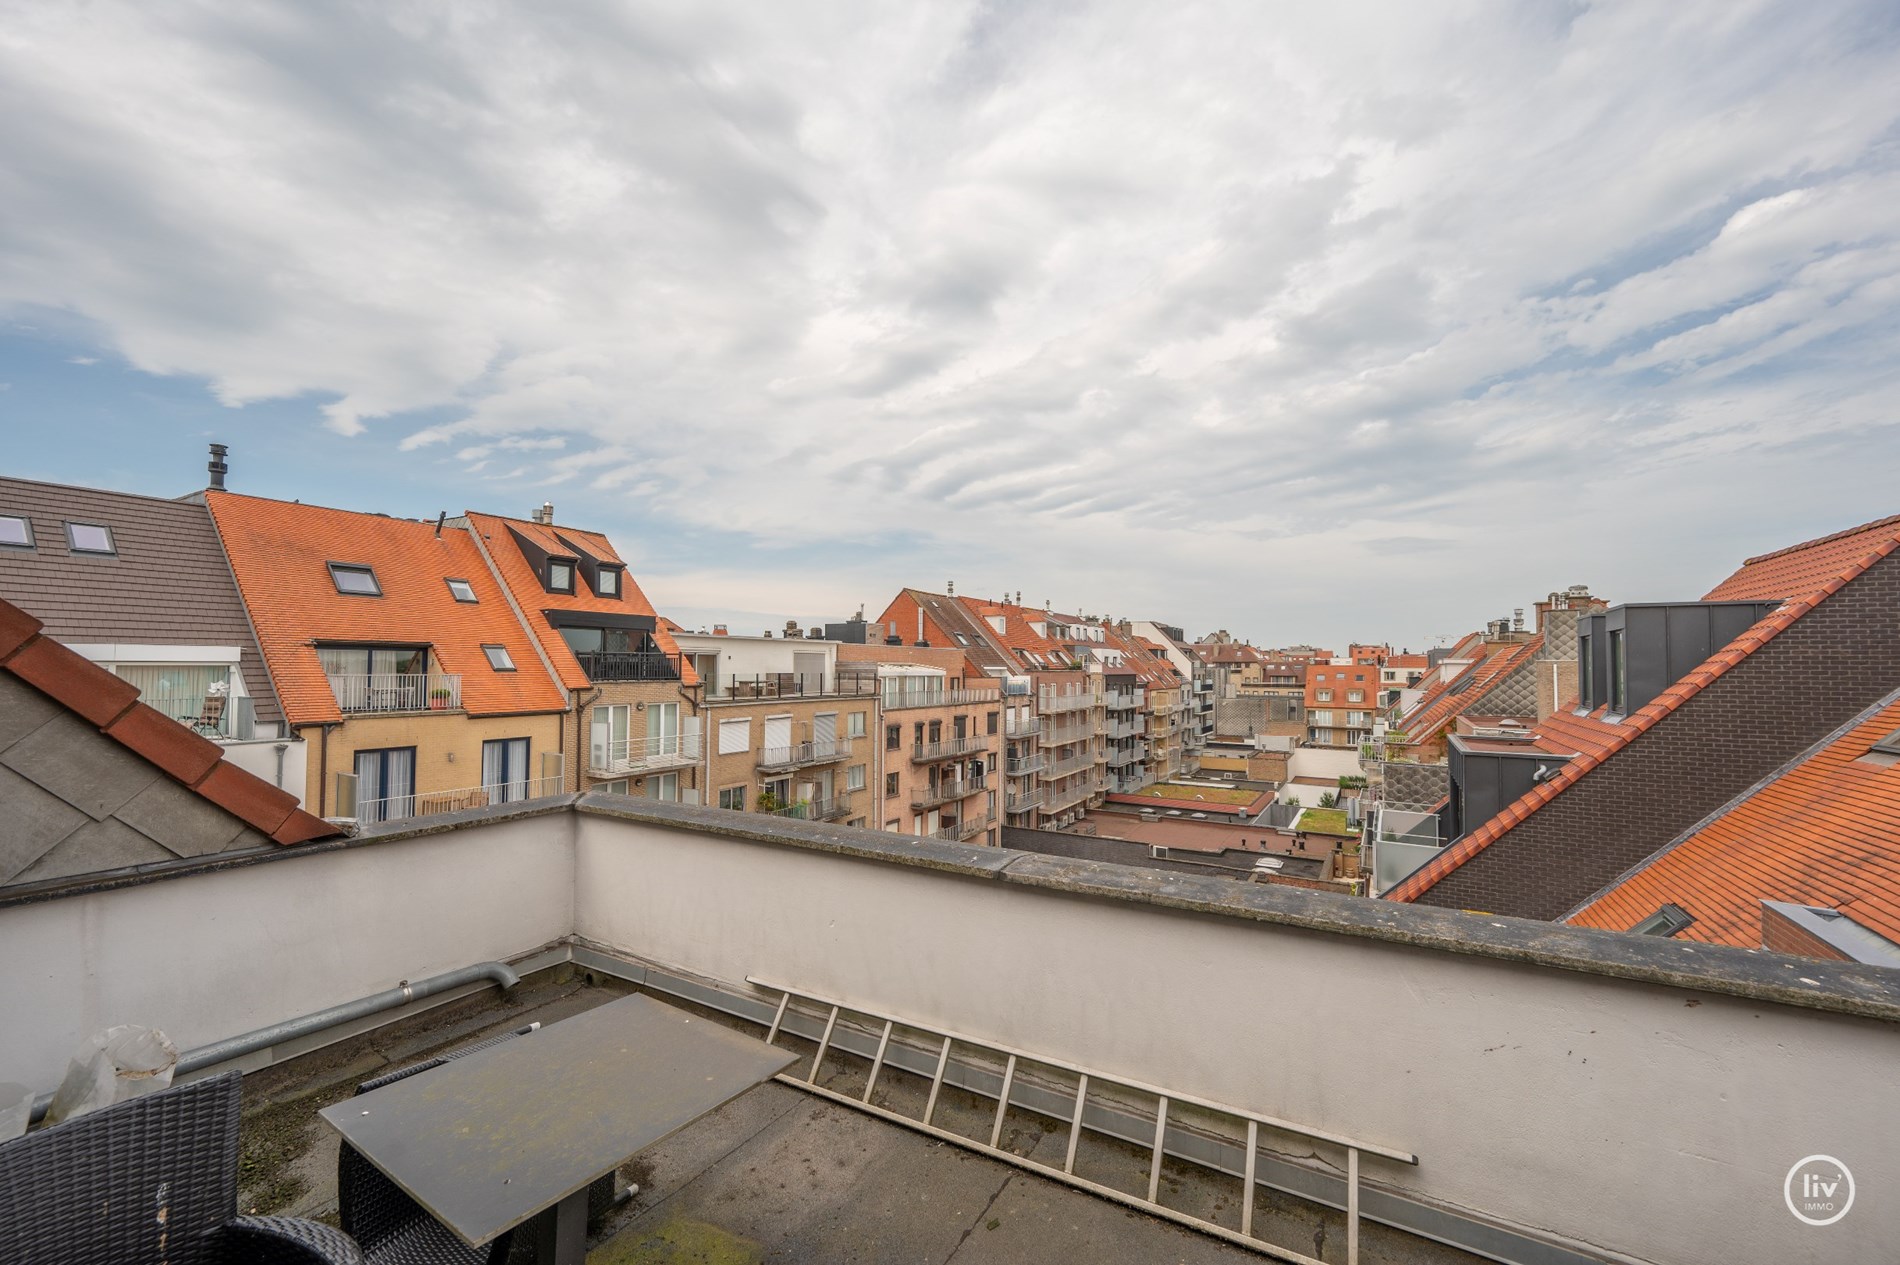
[(1837, 659), (1782, 936)]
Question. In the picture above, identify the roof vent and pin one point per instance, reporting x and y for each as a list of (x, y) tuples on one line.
[(217, 467)]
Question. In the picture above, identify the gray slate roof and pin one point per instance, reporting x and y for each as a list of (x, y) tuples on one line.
[(169, 584)]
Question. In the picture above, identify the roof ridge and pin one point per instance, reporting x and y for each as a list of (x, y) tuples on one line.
[(111, 704), (1843, 534), (83, 487), (1698, 678), (1737, 800)]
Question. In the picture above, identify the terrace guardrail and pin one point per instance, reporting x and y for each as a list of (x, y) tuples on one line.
[(793, 685), (397, 691), (908, 699), (643, 755), (1022, 728), (801, 754), (1060, 704), (949, 748), (944, 792), (1024, 765), (1016, 803), (836, 807), (386, 808), (629, 665)]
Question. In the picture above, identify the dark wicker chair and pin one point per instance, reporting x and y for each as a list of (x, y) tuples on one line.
[(394, 1229), (147, 1181)]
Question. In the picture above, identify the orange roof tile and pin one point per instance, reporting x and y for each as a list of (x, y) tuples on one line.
[(110, 704), (1564, 732), (279, 551), (533, 598), (1861, 548), (1444, 701), (1825, 832), (1801, 569)]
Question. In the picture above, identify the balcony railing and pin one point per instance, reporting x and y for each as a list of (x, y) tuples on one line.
[(1127, 728), (801, 754), (948, 749), (972, 825), (1074, 764), (793, 685), (397, 691), (1015, 803), (1059, 704), (944, 792), (894, 701), (1022, 728), (1061, 797), (1063, 735), (370, 812), (629, 665), (1024, 765), (208, 716), (634, 756), (836, 808), (1125, 700)]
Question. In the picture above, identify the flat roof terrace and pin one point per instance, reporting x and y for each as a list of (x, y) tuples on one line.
[(1530, 1068)]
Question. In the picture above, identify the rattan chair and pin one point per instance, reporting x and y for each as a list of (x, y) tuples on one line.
[(391, 1227), (148, 1181)]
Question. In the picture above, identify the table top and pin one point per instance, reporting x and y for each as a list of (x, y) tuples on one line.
[(486, 1141)]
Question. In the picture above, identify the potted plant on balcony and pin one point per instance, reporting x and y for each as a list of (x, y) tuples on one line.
[(768, 802), (439, 699)]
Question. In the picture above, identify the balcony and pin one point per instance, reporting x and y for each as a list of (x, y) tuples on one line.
[(1159, 979), (837, 808), (1077, 730), (1024, 765), (948, 791), (634, 757), (1062, 768), (365, 812), (1061, 797), (1022, 728), (397, 692), (1062, 704), (1126, 700), (1127, 728), (208, 716), (804, 754), (793, 685), (1121, 757), (1022, 803), (610, 666), (948, 749), (896, 702), (971, 825)]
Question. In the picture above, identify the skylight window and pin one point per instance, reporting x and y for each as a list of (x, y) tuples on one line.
[(89, 538), (16, 531), (1665, 922), (608, 583), (560, 575), (355, 580), (499, 658), (463, 591), (1890, 745)]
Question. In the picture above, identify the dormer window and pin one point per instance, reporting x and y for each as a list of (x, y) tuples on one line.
[(1665, 922), (15, 531), (560, 575), (354, 580), (608, 582), (89, 538), (463, 591), (499, 658)]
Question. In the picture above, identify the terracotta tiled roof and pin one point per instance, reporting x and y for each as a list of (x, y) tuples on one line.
[(1446, 699), (1564, 732), (1801, 569), (1871, 544), (533, 598), (279, 551), (1825, 832), (111, 704)]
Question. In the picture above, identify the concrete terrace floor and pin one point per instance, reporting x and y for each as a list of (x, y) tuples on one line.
[(779, 1175)]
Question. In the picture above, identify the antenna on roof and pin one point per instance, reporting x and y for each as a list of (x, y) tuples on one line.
[(440, 519)]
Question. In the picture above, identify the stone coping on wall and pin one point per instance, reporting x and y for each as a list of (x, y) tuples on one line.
[(1841, 987)]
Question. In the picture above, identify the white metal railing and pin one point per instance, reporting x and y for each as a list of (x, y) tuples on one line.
[(972, 825), (210, 716), (944, 792), (642, 755), (1022, 728), (369, 812), (1126, 728), (818, 751), (1062, 735), (948, 748), (831, 809), (1023, 803), (1074, 764), (1023, 765), (898, 701), (397, 691), (1058, 704)]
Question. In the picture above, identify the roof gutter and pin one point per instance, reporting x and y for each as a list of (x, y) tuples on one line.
[(401, 995)]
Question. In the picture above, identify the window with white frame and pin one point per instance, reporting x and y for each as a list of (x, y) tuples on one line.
[(735, 736), (854, 778)]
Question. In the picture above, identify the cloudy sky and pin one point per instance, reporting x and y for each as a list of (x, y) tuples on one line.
[(1311, 322)]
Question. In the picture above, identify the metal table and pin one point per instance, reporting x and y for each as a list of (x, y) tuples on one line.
[(487, 1141)]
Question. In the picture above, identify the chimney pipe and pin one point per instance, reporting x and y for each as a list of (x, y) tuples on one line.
[(217, 467)]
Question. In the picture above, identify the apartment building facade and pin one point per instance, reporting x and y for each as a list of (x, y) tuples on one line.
[(788, 729), (398, 656), (938, 772), (1341, 702), (633, 722)]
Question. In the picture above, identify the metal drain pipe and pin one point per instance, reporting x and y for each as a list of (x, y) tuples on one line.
[(401, 995)]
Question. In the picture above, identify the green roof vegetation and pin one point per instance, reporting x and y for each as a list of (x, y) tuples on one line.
[(1324, 821), (1206, 794)]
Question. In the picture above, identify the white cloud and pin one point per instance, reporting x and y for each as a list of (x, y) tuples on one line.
[(1161, 309)]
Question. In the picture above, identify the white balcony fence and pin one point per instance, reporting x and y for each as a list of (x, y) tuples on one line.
[(634, 756), (817, 751), (397, 691), (388, 808)]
